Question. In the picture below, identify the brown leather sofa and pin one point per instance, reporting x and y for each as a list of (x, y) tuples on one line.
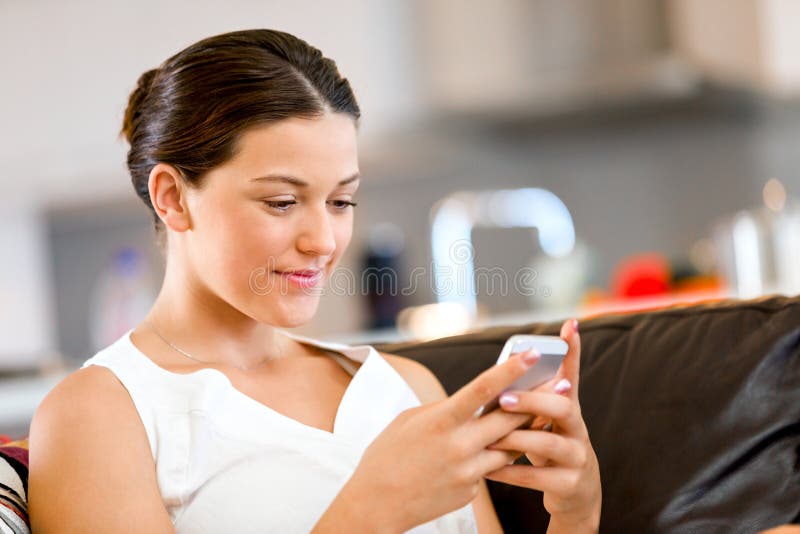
[(694, 413)]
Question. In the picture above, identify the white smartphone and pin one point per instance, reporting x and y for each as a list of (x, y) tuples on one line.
[(552, 348)]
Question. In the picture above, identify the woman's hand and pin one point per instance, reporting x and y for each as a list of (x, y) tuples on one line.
[(430, 459), (564, 466)]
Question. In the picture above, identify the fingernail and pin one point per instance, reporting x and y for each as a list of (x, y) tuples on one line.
[(562, 386), (508, 399), (575, 325), (531, 356)]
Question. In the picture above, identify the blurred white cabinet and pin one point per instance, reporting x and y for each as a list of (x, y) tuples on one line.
[(524, 57), (754, 44)]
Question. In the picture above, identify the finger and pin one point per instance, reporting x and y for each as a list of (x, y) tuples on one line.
[(535, 460), (539, 422), (486, 386), (564, 452), (570, 367), (487, 429), (566, 369), (487, 461), (562, 410), (561, 481)]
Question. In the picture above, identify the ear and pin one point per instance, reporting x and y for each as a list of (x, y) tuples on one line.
[(168, 196)]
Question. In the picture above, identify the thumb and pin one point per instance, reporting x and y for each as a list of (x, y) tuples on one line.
[(571, 366)]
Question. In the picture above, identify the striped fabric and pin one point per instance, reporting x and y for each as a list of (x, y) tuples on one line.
[(14, 486)]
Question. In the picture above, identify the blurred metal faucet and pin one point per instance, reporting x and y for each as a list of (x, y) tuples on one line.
[(454, 217)]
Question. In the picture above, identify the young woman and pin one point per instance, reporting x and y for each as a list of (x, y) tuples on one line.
[(208, 416)]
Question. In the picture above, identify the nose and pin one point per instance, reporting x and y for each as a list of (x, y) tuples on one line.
[(317, 234)]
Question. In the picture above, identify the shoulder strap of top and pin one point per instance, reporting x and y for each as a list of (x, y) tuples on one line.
[(345, 353), (348, 364), (358, 353)]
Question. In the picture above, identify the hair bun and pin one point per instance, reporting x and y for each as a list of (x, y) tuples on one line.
[(135, 100)]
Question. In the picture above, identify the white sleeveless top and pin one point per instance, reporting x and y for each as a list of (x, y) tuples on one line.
[(227, 463)]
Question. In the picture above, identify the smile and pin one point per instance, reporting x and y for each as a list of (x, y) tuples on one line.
[(301, 278)]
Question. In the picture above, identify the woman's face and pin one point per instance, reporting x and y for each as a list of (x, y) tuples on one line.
[(279, 205)]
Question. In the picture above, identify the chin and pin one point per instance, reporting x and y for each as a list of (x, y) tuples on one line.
[(293, 322), (299, 315)]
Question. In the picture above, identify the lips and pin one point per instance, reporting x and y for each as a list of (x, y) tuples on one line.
[(301, 277), (301, 272)]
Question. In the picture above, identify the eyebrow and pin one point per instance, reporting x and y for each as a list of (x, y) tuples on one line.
[(297, 181)]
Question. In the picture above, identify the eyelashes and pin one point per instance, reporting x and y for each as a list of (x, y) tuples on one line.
[(344, 204), (283, 206)]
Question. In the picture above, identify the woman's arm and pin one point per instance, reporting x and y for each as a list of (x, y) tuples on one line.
[(432, 457), (354, 511), (91, 469), (429, 389)]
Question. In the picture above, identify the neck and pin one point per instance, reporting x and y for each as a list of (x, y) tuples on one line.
[(198, 322)]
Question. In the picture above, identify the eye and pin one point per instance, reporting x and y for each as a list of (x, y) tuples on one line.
[(280, 205), (343, 204)]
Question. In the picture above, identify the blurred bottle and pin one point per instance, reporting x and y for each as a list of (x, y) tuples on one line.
[(382, 277)]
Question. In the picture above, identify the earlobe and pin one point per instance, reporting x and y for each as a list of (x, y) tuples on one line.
[(167, 195)]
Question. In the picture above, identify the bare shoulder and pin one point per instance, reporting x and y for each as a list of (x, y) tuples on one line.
[(82, 384), (89, 395), (421, 379), (91, 467), (86, 396)]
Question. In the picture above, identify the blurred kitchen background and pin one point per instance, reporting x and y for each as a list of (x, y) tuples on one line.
[(597, 155)]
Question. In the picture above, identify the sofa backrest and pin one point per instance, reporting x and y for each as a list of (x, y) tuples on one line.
[(694, 413)]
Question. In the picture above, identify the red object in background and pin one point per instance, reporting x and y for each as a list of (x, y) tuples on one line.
[(642, 275), (4, 439), (644, 282)]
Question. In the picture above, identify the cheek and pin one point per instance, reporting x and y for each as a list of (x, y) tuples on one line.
[(259, 242), (343, 235), (246, 241)]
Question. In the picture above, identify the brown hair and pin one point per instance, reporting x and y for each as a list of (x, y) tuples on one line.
[(192, 110)]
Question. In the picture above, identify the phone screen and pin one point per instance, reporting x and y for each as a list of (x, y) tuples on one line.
[(552, 348)]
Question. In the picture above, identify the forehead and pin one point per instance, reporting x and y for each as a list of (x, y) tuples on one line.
[(312, 148)]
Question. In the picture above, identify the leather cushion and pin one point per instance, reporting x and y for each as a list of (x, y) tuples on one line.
[(694, 413)]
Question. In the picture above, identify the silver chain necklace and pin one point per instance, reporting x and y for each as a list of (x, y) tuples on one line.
[(151, 327)]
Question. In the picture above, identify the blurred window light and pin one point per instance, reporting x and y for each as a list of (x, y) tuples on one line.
[(454, 217), (785, 230), (758, 251), (535, 208), (747, 256)]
